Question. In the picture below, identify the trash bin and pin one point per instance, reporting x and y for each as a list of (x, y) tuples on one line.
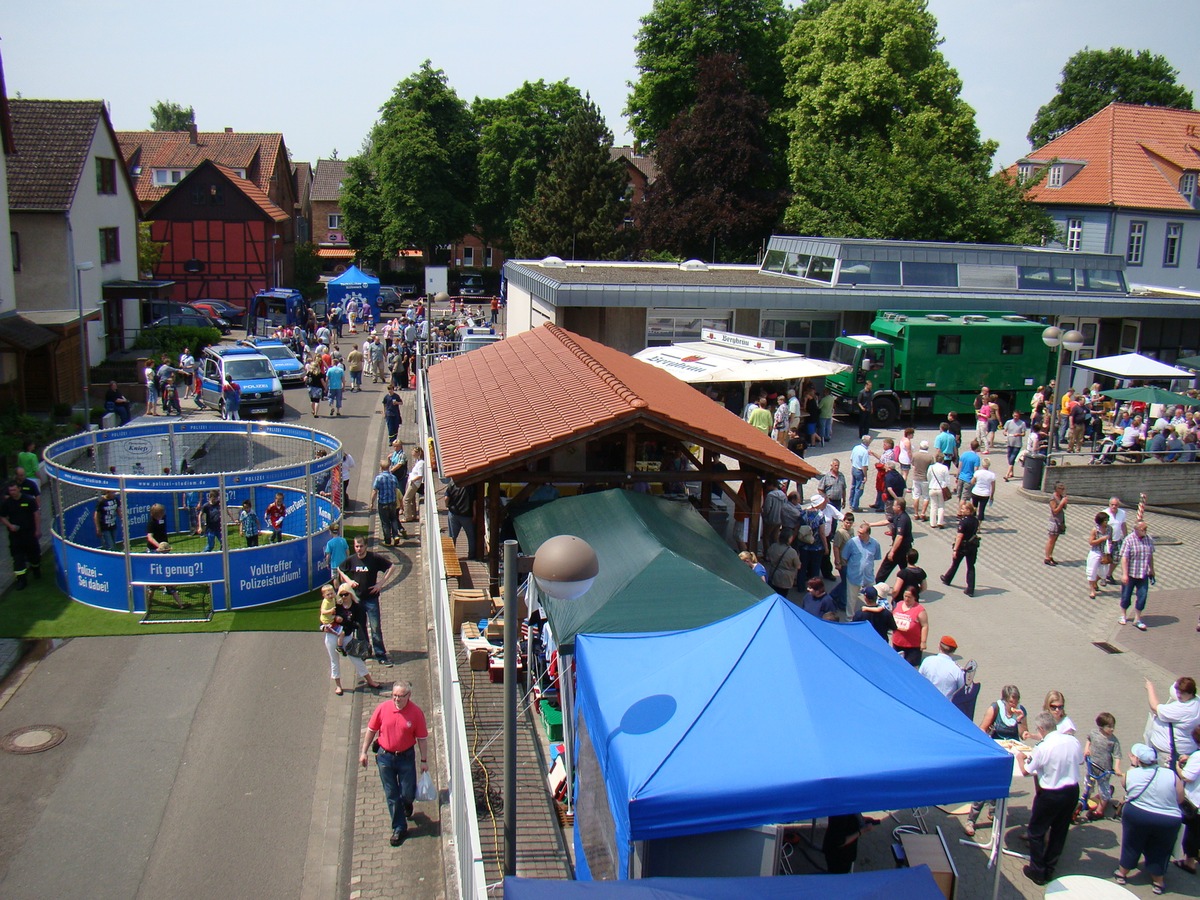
[(1035, 467)]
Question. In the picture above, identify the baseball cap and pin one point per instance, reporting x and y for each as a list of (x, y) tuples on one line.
[(1144, 754), (869, 592)]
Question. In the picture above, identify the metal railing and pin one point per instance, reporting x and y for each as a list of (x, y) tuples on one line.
[(472, 877)]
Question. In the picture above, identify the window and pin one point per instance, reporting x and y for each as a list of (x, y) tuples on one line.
[(110, 245), (335, 220), (1055, 180), (1044, 278), (1100, 280), (1074, 235), (106, 175), (869, 271), (1171, 243), (1187, 187), (820, 269), (468, 256), (168, 176), (949, 344), (1012, 344), (927, 274), (16, 250), (487, 257), (1024, 172), (1137, 240)]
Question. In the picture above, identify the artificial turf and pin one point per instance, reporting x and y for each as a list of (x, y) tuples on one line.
[(43, 611)]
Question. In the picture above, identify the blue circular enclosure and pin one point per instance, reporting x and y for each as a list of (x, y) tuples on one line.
[(291, 476)]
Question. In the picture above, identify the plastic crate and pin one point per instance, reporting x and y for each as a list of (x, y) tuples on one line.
[(552, 720)]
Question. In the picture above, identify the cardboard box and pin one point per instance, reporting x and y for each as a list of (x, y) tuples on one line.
[(469, 606), (478, 660)]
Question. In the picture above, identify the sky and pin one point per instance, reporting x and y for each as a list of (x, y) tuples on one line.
[(320, 78)]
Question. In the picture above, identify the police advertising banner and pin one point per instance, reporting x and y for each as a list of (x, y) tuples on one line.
[(178, 569), (96, 578), (267, 573)]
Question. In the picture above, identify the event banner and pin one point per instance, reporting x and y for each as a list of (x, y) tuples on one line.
[(267, 573)]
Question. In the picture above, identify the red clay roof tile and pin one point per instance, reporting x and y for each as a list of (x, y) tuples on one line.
[(513, 400), (1134, 156)]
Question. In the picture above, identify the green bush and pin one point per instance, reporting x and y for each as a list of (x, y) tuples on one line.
[(171, 339)]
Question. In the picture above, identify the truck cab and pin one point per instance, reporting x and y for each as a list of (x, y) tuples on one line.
[(870, 359)]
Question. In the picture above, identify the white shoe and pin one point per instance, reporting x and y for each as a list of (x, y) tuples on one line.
[(1122, 621)]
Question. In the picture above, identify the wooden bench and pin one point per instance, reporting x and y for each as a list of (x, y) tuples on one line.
[(450, 558)]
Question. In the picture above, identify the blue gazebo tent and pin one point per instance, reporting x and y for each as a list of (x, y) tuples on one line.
[(355, 283), (825, 719)]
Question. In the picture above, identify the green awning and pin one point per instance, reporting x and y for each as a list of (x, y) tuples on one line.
[(662, 566)]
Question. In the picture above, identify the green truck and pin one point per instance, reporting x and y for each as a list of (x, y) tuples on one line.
[(933, 362)]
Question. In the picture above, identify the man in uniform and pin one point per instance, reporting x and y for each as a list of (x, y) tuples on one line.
[(1055, 762), (22, 516)]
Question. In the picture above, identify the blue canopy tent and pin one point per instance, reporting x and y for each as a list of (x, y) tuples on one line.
[(892, 884), (823, 719), (354, 283)]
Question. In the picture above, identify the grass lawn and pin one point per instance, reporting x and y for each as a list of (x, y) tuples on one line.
[(43, 611)]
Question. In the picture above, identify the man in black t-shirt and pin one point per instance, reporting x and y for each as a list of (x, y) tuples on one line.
[(22, 516), (108, 514), (361, 570), (902, 538), (911, 575)]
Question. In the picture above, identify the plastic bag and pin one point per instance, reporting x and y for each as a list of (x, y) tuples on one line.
[(425, 787)]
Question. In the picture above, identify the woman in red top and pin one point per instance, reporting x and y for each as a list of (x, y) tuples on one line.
[(912, 626)]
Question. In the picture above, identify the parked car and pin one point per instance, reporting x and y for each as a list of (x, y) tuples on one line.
[(286, 364), (470, 284), (193, 318), (262, 392), (221, 309)]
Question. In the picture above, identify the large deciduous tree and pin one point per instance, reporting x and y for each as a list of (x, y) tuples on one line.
[(674, 37), (169, 116), (518, 137), (882, 144), (364, 221), (714, 196), (1092, 79), (580, 202)]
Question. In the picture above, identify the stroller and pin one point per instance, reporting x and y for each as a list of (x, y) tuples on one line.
[(1106, 453)]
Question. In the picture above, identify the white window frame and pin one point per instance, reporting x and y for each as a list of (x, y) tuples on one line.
[(1055, 179), (1172, 245), (468, 255), (1135, 246), (1024, 172), (168, 177), (1187, 187), (1074, 235), (335, 221), (487, 257)]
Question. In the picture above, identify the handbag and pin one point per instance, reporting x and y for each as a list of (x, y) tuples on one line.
[(946, 493), (357, 647)]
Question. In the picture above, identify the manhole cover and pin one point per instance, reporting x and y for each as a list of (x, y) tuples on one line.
[(33, 739)]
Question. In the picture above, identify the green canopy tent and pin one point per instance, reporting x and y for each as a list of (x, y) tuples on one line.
[(662, 566), (1189, 362), (1152, 395)]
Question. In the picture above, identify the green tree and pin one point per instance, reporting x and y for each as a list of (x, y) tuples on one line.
[(882, 144), (676, 34), (425, 162), (1092, 79), (580, 202), (149, 251), (715, 195), (518, 137), (362, 208), (169, 116), (307, 270)]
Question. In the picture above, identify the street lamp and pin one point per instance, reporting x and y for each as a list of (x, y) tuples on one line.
[(1055, 339), (564, 568), (274, 255), (80, 268)]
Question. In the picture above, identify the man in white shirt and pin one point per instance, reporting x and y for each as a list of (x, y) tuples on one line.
[(1055, 764), (941, 670), (1116, 518)]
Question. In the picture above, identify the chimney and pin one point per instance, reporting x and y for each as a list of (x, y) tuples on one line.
[(228, 130), (195, 136)]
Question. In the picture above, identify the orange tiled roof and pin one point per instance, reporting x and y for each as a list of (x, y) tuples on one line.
[(1134, 156), (513, 400), (149, 150), (257, 196)]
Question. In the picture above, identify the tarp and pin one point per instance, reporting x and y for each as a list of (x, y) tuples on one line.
[(662, 566), (890, 884), (355, 284), (704, 363), (1189, 362), (1152, 395), (1133, 365), (826, 718)]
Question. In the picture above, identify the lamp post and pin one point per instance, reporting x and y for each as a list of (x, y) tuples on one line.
[(1055, 339), (565, 567), (80, 268), (272, 282)]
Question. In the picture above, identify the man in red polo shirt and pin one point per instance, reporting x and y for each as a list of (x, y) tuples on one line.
[(400, 725)]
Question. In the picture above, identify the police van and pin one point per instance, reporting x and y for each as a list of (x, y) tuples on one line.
[(262, 392)]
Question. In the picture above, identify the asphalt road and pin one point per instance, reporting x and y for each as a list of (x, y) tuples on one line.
[(194, 765)]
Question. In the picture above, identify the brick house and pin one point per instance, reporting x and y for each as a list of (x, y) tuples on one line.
[(327, 231)]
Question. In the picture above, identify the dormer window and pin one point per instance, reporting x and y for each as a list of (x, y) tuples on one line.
[(1055, 179), (1187, 187), (168, 176), (1024, 172)]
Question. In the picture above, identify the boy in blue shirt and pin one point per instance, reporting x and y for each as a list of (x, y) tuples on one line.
[(336, 548)]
